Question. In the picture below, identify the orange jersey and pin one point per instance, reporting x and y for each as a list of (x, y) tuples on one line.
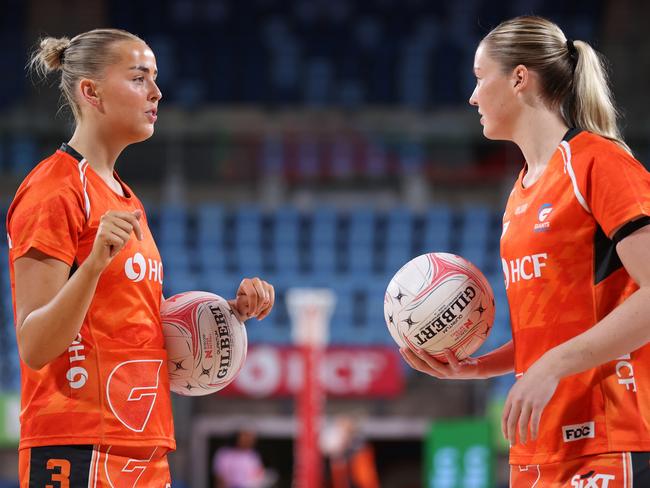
[(562, 276), (111, 386)]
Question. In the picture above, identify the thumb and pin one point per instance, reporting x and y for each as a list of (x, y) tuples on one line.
[(137, 213)]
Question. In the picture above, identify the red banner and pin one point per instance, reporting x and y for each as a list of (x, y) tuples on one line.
[(270, 371)]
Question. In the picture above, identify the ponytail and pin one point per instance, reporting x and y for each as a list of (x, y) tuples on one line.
[(573, 76)]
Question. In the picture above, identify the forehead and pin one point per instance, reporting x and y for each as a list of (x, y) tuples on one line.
[(482, 60), (134, 53)]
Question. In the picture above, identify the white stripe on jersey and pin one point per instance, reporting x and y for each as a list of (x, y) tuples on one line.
[(566, 155), (83, 164)]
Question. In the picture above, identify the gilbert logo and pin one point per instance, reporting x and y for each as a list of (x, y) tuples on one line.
[(136, 268), (542, 215), (579, 432)]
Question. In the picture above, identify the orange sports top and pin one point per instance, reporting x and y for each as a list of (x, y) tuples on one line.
[(111, 386), (562, 276)]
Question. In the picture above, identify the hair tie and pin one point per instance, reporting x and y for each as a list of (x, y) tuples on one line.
[(573, 52)]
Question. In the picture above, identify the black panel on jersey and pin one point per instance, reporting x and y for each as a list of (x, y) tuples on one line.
[(629, 228), (79, 458), (641, 469), (571, 133), (71, 151), (606, 260)]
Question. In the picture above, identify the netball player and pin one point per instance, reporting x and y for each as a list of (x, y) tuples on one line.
[(575, 252), (96, 405)]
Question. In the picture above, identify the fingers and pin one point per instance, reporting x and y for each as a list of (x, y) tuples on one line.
[(425, 363), (511, 421), (255, 298), (128, 222), (266, 311), (504, 417), (524, 419), (534, 423)]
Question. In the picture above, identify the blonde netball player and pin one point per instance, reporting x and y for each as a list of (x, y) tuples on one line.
[(95, 394), (575, 252)]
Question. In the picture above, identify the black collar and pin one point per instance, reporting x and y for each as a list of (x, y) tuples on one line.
[(71, 151)]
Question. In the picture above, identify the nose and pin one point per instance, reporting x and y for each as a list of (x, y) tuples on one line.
[(155, 94), (472, 99)]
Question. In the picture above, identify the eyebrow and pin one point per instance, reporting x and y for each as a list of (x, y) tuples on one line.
[(144, 69)]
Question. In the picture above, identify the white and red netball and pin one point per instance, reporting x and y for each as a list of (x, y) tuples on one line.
[(206, 343), (438, 301)]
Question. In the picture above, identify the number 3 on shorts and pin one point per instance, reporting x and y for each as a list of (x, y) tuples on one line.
[(60, 472)]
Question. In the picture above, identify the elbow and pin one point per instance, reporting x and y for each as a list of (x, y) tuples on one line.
[(32, 363), (28, 355)]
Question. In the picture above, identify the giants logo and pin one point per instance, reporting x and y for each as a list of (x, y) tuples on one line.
[(592, 480), (132, 405), (526, 268), (578, 432), (129, 474), (542, 214), (135, 269)]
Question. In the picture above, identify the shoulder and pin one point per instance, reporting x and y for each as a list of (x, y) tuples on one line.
[(55, 179), (587, 152), (59, 173)]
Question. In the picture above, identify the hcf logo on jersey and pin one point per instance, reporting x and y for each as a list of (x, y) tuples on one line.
[(524, 268), (137, 267)]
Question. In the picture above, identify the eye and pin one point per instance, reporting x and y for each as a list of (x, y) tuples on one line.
[(139, 79)]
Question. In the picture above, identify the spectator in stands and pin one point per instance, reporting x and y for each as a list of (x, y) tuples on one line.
[(240, 465), (351, 460), (87, 308), (576, 265)]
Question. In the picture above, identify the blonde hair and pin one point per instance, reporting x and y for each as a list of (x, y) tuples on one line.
[(83, 56), (573, 75)]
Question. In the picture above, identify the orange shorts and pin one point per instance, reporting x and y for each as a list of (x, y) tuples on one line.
[(93, 467), (610, 470)]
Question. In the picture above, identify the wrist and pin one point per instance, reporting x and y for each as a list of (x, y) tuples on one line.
[(92, 267), (552, 364), (481, 371)]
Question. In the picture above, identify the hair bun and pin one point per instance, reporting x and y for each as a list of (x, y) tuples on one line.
[(51, 52)]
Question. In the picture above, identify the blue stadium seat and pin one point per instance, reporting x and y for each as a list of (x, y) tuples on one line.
[(172, 225), (248, 259), (248, 229), (210, 224), (176, 258), (437, 229)]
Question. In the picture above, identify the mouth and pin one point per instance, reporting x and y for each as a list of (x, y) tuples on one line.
[(152, 114)]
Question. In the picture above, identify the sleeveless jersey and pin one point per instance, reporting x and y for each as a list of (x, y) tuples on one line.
[(111, 386), (562, 276)]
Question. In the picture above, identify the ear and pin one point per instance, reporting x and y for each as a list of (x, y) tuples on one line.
[(89, 93), (520, 78)]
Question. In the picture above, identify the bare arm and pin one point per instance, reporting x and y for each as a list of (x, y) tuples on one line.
[(50, 308), (625, 329)]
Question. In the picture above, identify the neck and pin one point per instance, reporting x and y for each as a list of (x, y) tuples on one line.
[(98, 149), (540, 133)]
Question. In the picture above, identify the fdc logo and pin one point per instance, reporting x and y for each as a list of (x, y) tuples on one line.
[(578, 432), (136, 267)]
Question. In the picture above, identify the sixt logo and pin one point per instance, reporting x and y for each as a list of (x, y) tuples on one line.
[(542, 215), (591, 480)]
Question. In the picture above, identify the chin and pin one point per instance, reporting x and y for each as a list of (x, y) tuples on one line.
[(143, 135)]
